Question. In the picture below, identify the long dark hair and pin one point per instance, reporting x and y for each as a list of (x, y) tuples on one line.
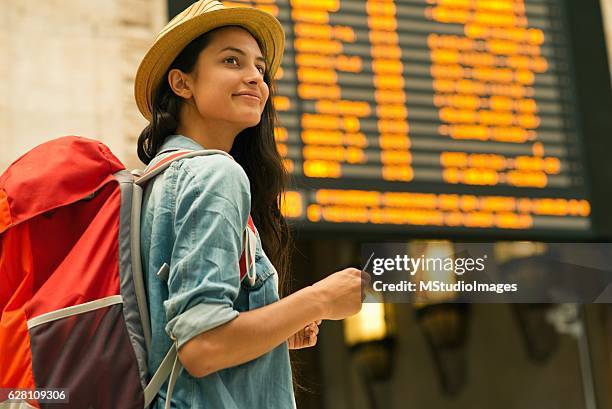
[(254, 149)]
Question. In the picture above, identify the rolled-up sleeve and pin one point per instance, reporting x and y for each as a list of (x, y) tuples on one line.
[(212, 204)]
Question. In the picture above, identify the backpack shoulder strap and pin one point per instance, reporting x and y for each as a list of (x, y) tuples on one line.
[(161, 164), (163, 161), (170, 365), (157, 166)]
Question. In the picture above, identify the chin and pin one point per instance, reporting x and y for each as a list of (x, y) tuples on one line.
[(248, 124), (250, 121)]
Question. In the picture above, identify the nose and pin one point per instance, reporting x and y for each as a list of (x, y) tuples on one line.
[(253, 76)]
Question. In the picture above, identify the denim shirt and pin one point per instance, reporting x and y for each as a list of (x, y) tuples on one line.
[(193, 218)]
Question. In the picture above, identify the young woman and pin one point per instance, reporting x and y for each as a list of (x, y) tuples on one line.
[(206, 84)]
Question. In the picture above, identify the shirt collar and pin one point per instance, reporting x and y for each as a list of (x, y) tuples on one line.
[(173, 142)]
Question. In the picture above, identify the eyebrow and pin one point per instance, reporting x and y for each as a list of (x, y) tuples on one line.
[(239, 51)]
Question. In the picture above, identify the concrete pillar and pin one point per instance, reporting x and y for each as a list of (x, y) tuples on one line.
[(68, 68)]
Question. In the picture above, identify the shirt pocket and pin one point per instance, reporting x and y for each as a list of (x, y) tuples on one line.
[(263, 291)]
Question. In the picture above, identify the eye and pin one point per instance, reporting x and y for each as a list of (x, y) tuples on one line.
[(231, 59), (234, 61)]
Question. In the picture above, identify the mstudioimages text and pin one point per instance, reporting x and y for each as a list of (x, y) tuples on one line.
[(411, 265), (440, 286)]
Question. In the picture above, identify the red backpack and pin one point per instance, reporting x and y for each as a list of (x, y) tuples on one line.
[(74, 317)]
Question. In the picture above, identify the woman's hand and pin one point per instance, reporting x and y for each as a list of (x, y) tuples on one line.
[(306, 337), (342, 293)]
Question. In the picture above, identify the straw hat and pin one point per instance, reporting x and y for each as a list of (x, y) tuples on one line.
[(197, 19)]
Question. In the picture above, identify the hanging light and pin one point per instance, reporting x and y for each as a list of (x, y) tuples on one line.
[(370, 324), (434, 250), (370, 336)]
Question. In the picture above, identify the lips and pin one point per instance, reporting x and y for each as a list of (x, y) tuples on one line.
[(249, 95)]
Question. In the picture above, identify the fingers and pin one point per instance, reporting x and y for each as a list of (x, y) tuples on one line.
[(307, 337), (312, 328), (312, 339)]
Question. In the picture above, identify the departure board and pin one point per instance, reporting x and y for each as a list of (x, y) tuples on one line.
[(429, 115)]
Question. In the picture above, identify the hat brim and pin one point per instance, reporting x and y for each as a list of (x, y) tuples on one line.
[(263, 26)]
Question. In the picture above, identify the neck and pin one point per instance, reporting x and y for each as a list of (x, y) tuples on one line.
[(211, 134)]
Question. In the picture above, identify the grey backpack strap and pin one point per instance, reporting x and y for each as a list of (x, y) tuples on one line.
[(157, 166), (170, 366), (176, 369)]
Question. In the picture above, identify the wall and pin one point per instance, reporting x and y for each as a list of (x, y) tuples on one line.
[(68, 68)]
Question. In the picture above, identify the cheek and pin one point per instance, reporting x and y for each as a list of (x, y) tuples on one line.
[(204, 104), (266, 94), (212, 96)]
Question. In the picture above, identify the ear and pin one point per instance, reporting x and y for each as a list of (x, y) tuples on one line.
[(180, 83)]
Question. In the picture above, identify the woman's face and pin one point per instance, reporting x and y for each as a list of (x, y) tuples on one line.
[(228, 82)]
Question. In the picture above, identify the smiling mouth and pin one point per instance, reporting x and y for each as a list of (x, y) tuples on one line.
[(248, 97)]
